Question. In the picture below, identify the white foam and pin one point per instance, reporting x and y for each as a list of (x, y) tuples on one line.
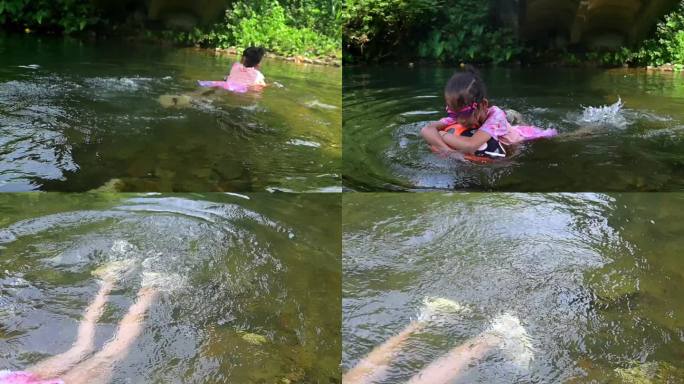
[(418, 113), (120, 84), (279, 189), (318, 104), (439, 309), (331, 189), (304, 143), (515, 341), (161, 281), (237, 195)]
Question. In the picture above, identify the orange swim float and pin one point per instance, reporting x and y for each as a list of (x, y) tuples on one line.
[(488, 153)]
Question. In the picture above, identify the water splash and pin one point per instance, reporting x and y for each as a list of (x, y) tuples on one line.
[(516, 342), (439, 310), (605, 115), (121, 84)]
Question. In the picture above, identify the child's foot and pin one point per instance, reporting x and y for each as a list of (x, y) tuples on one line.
[(115, 271), (515, 342), (439, 310), (162, 282)]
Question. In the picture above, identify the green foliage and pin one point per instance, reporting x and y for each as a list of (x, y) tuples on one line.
[(465, 33), (376, 29), (451, 30), (67, 16), (282, 29), (269, 27), (324, 16), (612, 58), (667, 46), (288, 27)]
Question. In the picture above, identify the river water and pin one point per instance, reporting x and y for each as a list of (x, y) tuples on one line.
[(251, 294), (595, 280), (77, 116), (635, 148)]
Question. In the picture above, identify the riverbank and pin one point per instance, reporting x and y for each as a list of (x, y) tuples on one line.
[(179, 40), (140, 39), (298, 59), (77, 115), (302, 33), (518, 65)]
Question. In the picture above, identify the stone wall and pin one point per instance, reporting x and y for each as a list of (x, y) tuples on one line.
[(590, 23), (174, 14)]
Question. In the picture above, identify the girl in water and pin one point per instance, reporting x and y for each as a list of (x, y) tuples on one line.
[(245, 75), (505, 333), (472, 126), (72, 367)]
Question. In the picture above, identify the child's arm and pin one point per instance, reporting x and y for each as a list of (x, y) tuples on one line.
[(448, 143), (496, 125), (431, 134), (467, 144), (259, 82)]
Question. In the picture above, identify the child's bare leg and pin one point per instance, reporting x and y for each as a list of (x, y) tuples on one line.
[(506, 332), (85, 340), (581, 133), (448, 367), (98, 368), (375, 364)]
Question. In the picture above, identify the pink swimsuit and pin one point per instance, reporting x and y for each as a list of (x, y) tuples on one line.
[(241, 79), (20, 377), (498, 127)]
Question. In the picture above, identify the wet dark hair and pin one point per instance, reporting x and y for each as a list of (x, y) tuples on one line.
[(252, 56), (466, 88)]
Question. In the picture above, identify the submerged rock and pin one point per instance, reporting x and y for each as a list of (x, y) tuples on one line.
[(650, 373), (254, 338), (175, 101), (111, 186)]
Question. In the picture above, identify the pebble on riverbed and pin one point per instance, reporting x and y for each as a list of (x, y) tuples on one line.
[(254, 338)]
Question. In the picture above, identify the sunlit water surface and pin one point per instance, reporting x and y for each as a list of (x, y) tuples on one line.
[(254, 299), (596, 280), (76, 115), (638, 148)]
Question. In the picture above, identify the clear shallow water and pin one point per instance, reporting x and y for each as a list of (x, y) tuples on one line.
[(595, 279), (75, 115), (640, 149), (255, 301)]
